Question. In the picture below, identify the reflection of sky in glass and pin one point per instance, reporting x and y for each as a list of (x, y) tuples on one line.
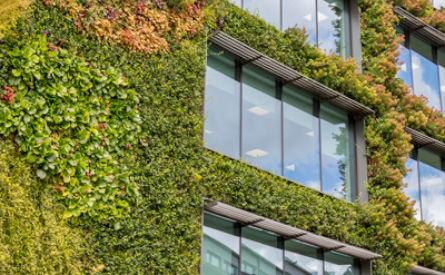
[(331, 26), (259, 251), (302, 13), (426, 79), (441, 61), (336, 264), (334, 149), (236, 2), (433, 194), (439, 3), (405, 66), (412, 180), (222, 107), (301, 259), (261, 125), (301, 139), (267, 9)]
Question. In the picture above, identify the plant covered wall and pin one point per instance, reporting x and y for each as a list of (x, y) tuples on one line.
[(125, 155)]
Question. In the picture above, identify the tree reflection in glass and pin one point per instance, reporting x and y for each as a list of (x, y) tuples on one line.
[(335, 153), (331, 26), (301, 14), (412, 181), (301, 139)]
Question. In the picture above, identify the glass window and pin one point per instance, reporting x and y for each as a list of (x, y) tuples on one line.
[(335, 155), (441, 62), (425, 72), (301, 14), (301, 138), (405, 62), (277, 127), (231, 249), (412, 189), (439, 3), (222, 107), (338, 264), (324, 20), (267, 9), (331, 26), (260, 254), (261, 121), (302, 259), (220, 248)]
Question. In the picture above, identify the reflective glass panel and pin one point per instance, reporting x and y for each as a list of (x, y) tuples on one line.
[(267, 9), (439, 3), (260, 254), (441, 58), (412, 180), (301, 138), (236, 2), (220, 247), (301, 13), (338, 264), (302, 259), (331, 26), (261, 121), (335, 153), (425, 72), (222, 107), (432, 182), (404, 71)]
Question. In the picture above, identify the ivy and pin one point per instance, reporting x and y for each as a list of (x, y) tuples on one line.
[(74, 123)]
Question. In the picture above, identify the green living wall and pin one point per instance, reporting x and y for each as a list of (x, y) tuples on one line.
[(156, 227)]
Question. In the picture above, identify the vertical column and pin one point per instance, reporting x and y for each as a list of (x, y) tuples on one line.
[(360, 160), (355, 34)]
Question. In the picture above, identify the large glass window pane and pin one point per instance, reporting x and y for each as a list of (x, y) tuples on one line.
[(338, 264), (301, 138), (412, 180), (432, 184), (335, 153), (267, 9), (302, 259), (425, 72), (441, 57), (260, 254), (261, 121), (303, 14), (220, 248), (405, 62), (439, 3), (222, 107), (331, 25)]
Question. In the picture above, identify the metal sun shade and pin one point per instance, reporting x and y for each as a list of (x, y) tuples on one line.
[(423, 270), (416, 25), (424, 141), (248, 218), (288, 75)]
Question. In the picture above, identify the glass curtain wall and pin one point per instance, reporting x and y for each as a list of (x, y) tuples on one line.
[(252, 116), (230, 249), (438, 3), (324, 20), (426, 185), (422, 68)]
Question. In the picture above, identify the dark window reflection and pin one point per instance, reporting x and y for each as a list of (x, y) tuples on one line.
[(301, 139), (220, 247), (261, 133), (302, 259), (222, 106), (425, 72), (260, 253), (335, 152), (267, 9)]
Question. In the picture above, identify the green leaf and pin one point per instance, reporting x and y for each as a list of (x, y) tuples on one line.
[(41, 174)]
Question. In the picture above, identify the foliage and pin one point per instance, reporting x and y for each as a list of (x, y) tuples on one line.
[(162, 234), (73, 123), (11, 11), (145, 27), (33, 237)]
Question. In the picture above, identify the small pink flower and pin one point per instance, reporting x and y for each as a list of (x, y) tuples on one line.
[(46, 32)]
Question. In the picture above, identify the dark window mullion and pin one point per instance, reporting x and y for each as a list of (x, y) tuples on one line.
[(239, 77), (279, 87), (419, 185), (316, 22), (408, 46), (317, 114)]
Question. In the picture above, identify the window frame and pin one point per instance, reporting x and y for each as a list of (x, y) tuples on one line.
[(320, 93)]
